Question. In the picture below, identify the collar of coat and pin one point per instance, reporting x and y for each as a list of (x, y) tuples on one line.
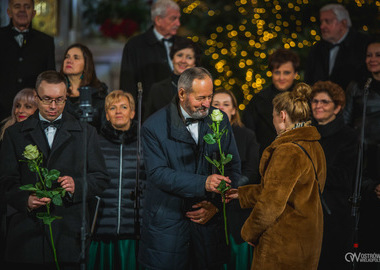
[(308, 133), (69, 125), (178, 128)]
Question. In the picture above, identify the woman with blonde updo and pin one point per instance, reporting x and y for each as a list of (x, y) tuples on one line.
[(286, 222)]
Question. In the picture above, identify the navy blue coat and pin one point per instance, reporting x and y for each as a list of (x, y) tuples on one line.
[(176, 175)]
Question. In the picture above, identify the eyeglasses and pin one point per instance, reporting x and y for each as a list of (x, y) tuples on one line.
[(324, 102), (46, 100)]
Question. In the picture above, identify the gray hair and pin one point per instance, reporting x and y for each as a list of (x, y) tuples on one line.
[(189, 75), (161, 7), (340, 12)]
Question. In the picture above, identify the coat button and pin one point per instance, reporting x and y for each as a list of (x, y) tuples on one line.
[(21, 59)]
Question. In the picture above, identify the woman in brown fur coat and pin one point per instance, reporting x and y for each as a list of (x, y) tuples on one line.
[(286, 222)]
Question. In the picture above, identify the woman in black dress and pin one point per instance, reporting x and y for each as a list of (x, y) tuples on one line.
[(339, 143), (79, 69)]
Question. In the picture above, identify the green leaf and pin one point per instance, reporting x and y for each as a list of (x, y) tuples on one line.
[(54, 174), (223, 187), (43, 193), (57, 200), (32, 167), (44, 172), (46, 218), (209, 138), (227, 159), (216, 163), (48, 182), (57, 190), (29, 187), (210, 160), (39, 185)]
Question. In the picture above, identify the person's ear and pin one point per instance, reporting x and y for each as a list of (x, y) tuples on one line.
[(181, 94), (337, 109), (132, 114), (283, 116)]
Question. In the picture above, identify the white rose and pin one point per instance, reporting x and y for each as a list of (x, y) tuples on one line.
[(217, 115), (31, 152)]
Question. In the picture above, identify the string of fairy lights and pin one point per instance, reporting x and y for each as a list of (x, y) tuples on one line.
[(238, 48)]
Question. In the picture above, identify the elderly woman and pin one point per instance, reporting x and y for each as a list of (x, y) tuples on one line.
[(113, 246), (241, 252), (353, 116), (286, 222), (24, 105), (339, 143), (79, 69), (257, 116), (184, 54)]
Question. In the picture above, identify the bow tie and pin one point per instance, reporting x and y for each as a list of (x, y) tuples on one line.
[(171, 40), (46, 124), (189, 121), (332, 46)]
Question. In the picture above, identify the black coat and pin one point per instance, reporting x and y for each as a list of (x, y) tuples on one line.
[(144, 60), (116, 212), (348, 63), (98, 96), (161, 94), (28, 239), (21, 65), (340, 144), (258, 116), (248, 149), (370, 204)]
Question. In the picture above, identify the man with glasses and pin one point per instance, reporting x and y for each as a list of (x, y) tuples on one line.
[(59, 136)]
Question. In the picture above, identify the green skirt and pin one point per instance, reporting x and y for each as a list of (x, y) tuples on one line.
[(115, 254), (241, 256)]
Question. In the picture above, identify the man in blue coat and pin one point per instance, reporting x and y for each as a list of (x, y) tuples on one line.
[(182, 225)]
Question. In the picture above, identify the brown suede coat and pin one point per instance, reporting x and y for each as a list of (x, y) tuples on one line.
[(286, 222)]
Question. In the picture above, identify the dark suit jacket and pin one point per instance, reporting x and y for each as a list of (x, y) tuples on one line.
[(258, 116), (28, 239), (144, 60), (349, 61), (161, 94), (21, 65)]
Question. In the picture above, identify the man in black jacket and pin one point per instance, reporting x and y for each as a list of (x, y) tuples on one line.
[(59, 136), (24, 52), (341, 53), (146, 56)]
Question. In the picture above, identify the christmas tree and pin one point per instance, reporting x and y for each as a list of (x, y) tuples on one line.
[(238, 36)]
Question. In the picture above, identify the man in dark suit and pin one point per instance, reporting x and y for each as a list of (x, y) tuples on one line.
[(25, 53), (59, 136), (146, 56), (340, 55), (182, 227)]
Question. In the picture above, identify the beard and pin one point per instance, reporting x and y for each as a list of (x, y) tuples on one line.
[(198, 113)]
